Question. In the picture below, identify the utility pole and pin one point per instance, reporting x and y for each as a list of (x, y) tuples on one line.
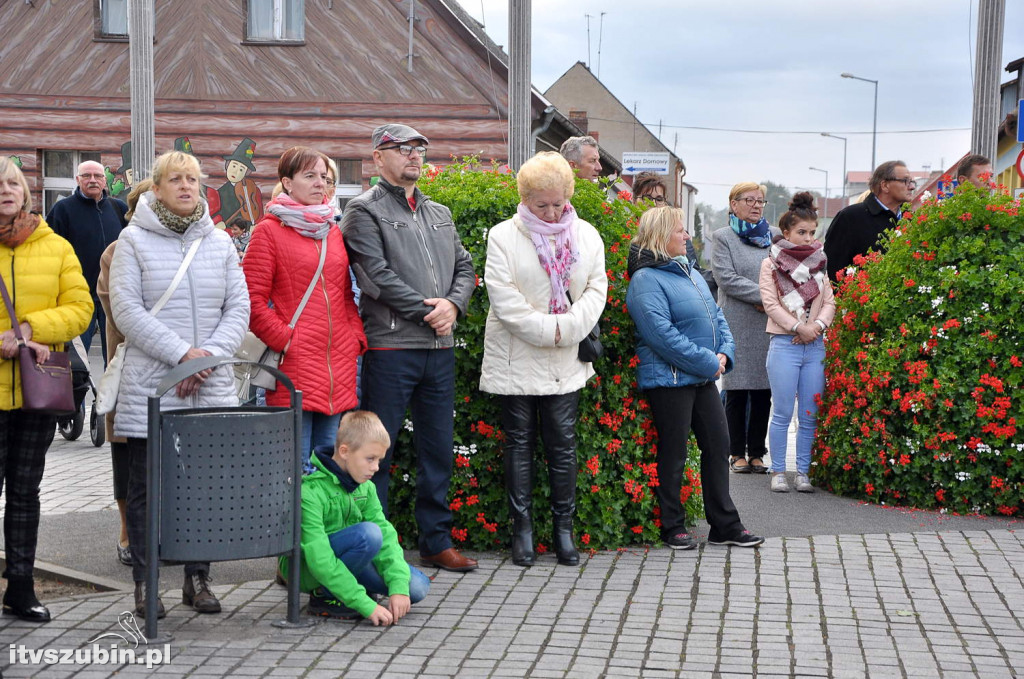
[(588, 17), (985, 114), (519, 99), (140, 78)]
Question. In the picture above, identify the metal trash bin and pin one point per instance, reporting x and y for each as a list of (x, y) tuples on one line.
[(223, 484)]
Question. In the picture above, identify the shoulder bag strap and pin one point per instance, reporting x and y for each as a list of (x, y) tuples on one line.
[(312, 285), (176, 281), (10, 312)]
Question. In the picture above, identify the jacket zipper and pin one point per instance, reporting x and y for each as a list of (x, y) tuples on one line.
[(330, 338), (430, 263), (194, 399), (14, 296), (707, 309)]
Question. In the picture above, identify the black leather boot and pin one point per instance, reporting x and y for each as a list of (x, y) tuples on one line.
[(20, 600), (558, 431), (195, 592), (140, 602), (518, 420)]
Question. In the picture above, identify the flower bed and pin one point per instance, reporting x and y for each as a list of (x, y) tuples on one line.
[(924, 360), (616, 439)]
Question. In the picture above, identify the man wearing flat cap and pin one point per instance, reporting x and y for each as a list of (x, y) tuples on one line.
[(416, 280)]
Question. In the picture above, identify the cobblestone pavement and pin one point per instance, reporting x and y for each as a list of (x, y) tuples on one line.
[(897, 605)]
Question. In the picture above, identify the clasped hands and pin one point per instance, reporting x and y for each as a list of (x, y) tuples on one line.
[(807, 333), (443, 315), (190, 385), (9, 344)]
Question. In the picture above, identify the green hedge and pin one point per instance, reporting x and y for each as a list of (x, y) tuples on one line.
[(616, 439), (924, 362)]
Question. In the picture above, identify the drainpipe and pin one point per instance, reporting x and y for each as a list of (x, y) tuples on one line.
[(549, 115)]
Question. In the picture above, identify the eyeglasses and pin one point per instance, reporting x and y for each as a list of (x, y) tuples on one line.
[(656, 199), (92, 176), (406, 150), (755, 201), (909, 182)]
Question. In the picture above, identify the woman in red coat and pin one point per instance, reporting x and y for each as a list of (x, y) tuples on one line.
[(320, 352)]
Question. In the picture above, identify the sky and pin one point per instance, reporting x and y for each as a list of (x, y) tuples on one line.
[(774, 66)]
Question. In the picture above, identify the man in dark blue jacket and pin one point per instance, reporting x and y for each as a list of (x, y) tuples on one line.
[(90, 220)]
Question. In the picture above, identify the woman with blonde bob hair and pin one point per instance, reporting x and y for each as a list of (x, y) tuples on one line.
[(736, 261), (547, 286), (207, 313), (684, 345), (52, 305)]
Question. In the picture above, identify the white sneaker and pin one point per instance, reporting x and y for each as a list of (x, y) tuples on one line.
[(803, 484), (779, 484)]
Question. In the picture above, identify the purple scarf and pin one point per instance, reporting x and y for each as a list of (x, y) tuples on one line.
[(557, 263)]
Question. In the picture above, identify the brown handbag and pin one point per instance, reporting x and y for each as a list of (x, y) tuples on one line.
[(45, 387)]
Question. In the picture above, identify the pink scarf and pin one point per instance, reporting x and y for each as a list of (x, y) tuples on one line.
[(557, 263), (312, 221)]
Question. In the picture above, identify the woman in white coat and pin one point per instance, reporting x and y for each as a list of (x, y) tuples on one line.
[(547, 286), (207, 314)]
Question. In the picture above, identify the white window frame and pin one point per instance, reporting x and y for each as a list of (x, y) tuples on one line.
[(63, 184), (278, 28)]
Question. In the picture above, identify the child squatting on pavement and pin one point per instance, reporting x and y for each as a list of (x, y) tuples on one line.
[(350, 551)]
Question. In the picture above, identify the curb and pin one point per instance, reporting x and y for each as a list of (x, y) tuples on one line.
[(75, 577)]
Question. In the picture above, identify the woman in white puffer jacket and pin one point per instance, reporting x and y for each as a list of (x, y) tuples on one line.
[(207, 314), (547, 287)]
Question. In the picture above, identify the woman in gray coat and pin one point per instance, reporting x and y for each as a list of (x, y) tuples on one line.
[(736, 262), (206, 314)]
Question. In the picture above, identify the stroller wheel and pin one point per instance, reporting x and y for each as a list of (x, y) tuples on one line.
[(71, 427), (97, 427)]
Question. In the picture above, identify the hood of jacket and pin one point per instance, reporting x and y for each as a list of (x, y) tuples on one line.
[(146, 218), (323, 461), (642, 258)]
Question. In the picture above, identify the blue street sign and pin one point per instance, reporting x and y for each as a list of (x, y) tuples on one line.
[(1020, 121)]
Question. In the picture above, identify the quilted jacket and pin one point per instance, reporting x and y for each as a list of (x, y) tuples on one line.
[(45, 282), (209, 310), (327, 340), (520, 354), (680, 329)]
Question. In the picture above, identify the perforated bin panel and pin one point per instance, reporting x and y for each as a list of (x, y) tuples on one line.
[(227, 483)]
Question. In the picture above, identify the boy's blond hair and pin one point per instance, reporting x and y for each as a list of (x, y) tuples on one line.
[(360, 427)]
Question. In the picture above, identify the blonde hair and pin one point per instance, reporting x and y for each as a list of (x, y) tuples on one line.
[(175, 161), (332, 168), (7, 170), (360, 427), (545, 171), (656, 227), (133, 196), (743, 187), (277, 191)]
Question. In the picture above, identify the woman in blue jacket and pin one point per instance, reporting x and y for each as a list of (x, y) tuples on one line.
[(684, 345)]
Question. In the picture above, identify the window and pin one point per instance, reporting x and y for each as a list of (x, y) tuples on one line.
[(113, 19), (59, 169), (350, 180), (276, 20)]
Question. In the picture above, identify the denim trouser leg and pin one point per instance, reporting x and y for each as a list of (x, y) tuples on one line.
[(356, 547), (424, 381), (317, 430), (796, 373)]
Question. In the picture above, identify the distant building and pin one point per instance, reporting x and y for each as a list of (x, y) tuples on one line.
[(1007, 146)]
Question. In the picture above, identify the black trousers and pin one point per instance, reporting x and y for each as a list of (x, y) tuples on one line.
[(556, 416), (24, 439), (675, 411), (747, 434), (121, 460), (136, 513)]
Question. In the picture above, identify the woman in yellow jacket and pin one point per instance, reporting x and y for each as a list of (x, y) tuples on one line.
[(52, 302)]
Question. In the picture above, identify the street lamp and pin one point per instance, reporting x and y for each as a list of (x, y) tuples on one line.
[(824, 216), (874, 125), (836, 136)]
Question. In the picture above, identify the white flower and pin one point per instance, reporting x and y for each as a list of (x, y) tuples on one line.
[(962, 476), (984, 306), (407, 425), (936, 302)]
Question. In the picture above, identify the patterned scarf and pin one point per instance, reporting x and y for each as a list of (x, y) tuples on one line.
[(177, 223), (758, 235), (557, 263), (14, 234), (312, 221), (799, 272)]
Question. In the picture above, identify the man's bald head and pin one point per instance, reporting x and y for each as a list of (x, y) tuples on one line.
[(92, 179)]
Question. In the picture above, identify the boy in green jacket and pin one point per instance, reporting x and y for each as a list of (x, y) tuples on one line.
[(350, 551)]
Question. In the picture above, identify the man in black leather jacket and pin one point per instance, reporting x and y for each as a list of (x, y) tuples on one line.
[(416, 280)]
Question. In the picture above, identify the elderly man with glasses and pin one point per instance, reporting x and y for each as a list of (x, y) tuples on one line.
[(857, 228), (416, 280)]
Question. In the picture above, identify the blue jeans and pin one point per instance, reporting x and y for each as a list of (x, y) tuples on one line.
[(796, 373), (356, 547), (422, 380), (317, 430)]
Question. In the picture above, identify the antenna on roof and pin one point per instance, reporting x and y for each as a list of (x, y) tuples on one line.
[(600, 34), (588, 17)]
